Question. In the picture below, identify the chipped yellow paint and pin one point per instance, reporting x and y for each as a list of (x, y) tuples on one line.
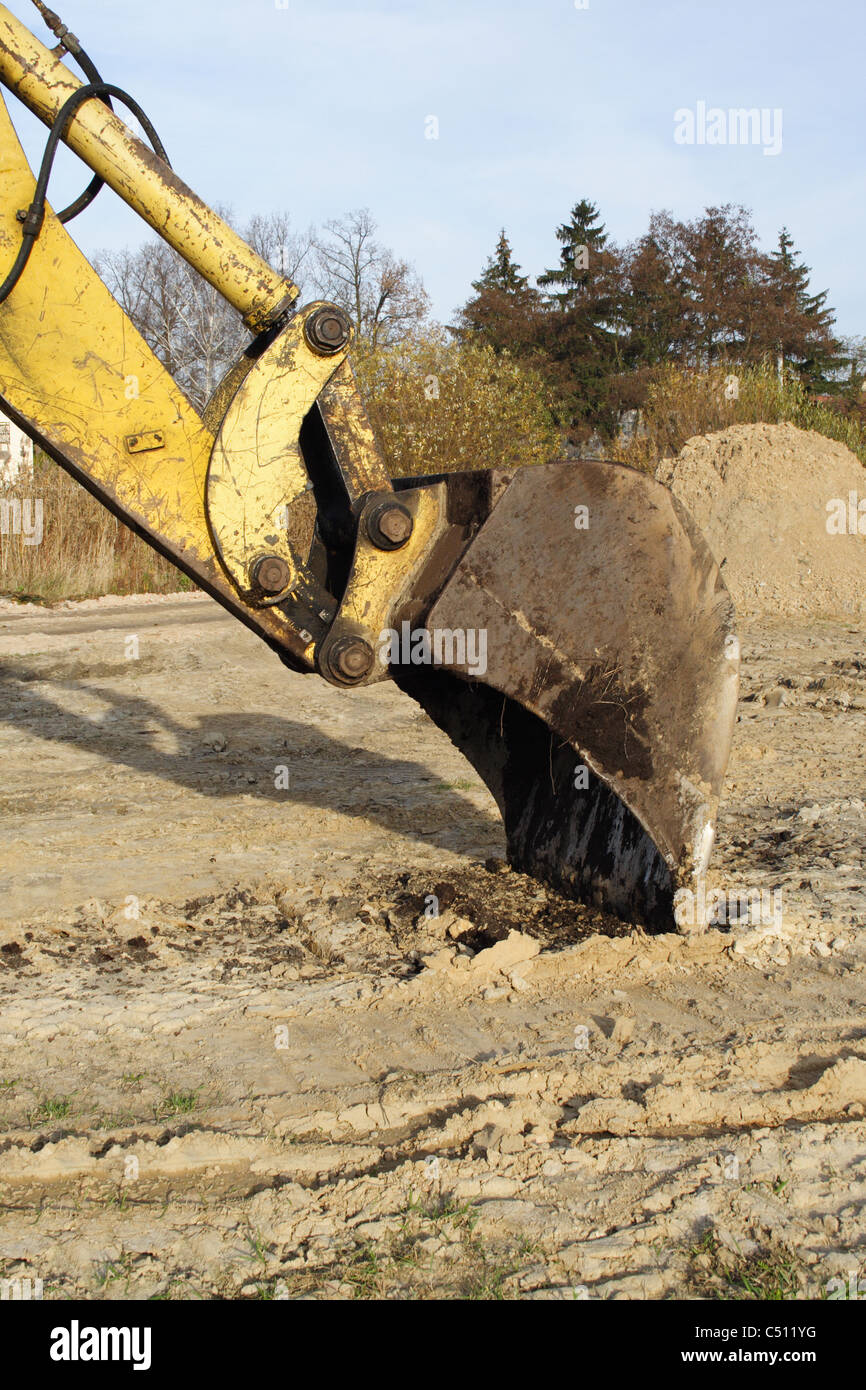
[(73, 365), (256, 469), (83, 381), (378, 575), (352, 438), (380, 580), (39, 78), (207, 492)]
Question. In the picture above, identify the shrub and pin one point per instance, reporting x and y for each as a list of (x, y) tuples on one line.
[(440, 407), (681, 403)]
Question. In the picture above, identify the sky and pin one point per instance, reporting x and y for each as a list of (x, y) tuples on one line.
[(316, 108)]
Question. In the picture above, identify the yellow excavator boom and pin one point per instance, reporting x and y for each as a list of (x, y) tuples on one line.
[(601, 716)]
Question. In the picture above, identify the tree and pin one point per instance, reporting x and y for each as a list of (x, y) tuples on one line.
[(382, 294), (274, 239), (502, 311), (502, 273), (799, 325), (198, 335), (689, 293), (720, 272), (193, 331), (579, 334), (702, 291), (583, 241), (654, 300)]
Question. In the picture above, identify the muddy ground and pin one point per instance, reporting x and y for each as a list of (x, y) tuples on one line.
[(241, 1057)]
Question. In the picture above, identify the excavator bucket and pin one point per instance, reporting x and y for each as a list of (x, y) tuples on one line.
[(603, 718)]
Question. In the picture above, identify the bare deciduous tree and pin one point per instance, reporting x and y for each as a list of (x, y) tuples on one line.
[(274, 239), (383, 294), (194, 332), (197, 335)]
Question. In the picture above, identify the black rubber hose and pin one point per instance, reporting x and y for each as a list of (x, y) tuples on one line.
[(35, 216), (92, 73), (70, 42), (96, 183)]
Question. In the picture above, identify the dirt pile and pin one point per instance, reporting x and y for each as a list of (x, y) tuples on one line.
[(760, 493)]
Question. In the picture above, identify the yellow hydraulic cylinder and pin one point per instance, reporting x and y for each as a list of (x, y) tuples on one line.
[(43, 83)]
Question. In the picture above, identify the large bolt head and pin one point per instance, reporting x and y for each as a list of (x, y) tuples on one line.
[(271, 574), (390, 525), (327, 330), (350, 659)]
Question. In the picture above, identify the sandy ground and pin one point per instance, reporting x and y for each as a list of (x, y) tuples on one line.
[(239, 1060)]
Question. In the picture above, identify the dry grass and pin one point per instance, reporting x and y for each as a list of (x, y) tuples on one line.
[(682, 403), (773, 1274), (84, 551)]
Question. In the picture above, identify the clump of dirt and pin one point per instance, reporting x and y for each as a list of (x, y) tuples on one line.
[(764, 496), (489, 900)]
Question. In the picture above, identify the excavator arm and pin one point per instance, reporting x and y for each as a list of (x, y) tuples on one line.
[(566, 624)]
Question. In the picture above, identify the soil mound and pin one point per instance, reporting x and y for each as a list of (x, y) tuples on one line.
[(764, 496)]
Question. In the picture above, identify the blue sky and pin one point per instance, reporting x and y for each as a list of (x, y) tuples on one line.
[(320, 107)]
